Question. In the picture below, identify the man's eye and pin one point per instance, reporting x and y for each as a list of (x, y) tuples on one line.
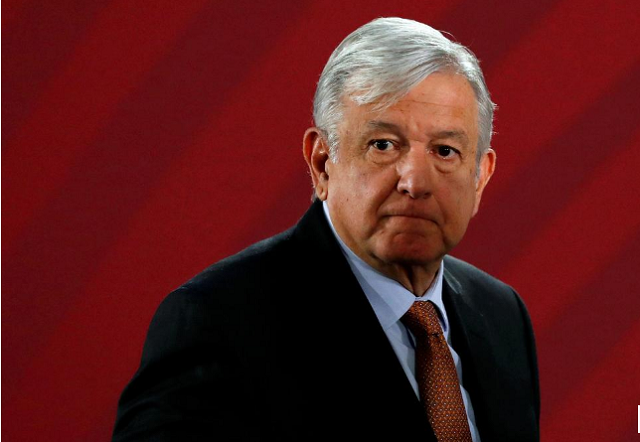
[(446, 151), (382, 144)]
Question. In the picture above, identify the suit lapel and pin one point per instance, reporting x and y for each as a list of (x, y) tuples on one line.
[(469, 339), (371, 381)]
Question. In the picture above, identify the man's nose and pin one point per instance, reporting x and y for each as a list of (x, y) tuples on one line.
[(415, 173)]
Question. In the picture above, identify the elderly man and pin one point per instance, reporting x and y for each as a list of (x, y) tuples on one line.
[(356, 323)]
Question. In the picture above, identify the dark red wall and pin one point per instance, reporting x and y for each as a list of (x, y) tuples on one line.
[(143, 141)]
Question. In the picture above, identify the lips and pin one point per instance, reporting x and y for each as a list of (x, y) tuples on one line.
[(411, 213)]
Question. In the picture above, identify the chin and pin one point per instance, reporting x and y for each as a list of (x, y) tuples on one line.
[(415, 253), (420, 260)]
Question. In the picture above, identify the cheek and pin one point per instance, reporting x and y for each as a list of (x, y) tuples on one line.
[(457, 199), (351, 193), (372, 186)]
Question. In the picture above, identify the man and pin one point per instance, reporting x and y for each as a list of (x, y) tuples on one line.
[(356, 323)]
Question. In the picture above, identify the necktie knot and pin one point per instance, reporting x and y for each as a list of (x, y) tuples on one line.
[(421, 318)]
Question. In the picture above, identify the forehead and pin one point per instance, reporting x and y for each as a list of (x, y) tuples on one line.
[(439, 101)]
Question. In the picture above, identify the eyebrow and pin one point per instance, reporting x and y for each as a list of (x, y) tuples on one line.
[(383, 125), (446, 134), (455, 134)]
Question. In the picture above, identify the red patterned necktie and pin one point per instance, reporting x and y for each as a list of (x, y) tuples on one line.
[(436, 375)]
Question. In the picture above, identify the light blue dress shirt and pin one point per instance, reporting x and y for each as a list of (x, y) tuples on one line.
[(390, 301)]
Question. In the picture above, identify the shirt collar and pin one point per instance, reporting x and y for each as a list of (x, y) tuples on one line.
[(388, 298)]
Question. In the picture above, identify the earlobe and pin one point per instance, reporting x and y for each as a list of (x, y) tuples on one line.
[(316, 154)]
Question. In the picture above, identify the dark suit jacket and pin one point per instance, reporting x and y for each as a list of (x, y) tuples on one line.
[(280, 343)]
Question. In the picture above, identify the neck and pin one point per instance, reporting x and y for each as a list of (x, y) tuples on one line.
[(415, 278)]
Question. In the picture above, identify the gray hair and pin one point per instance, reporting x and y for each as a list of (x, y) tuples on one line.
[(382, 61)]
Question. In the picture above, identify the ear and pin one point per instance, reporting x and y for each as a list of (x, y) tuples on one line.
[(316, 154), (487, 166)]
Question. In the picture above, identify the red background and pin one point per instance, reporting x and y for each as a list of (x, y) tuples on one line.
[(143, 141)]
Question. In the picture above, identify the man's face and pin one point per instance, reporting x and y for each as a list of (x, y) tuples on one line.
[(404, 185)]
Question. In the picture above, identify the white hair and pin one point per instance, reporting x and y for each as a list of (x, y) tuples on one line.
[(382, 61)]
